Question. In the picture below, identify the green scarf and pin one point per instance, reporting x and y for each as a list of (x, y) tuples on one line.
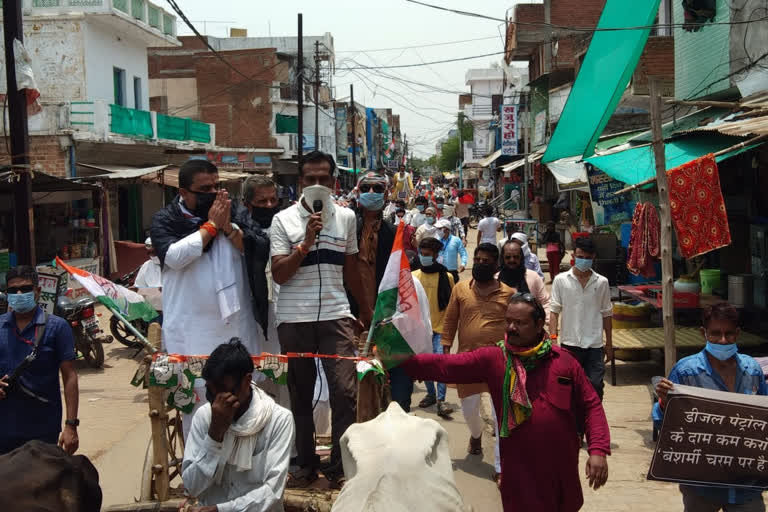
[(517, 364)]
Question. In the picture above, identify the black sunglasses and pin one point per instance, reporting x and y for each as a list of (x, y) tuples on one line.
[(376, 188), (529, 299), (21, 289)]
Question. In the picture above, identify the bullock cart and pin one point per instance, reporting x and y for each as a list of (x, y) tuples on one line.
[(161, 486)]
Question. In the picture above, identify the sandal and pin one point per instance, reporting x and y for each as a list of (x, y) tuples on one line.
[(302, 478), (444, 411), (428, 401), (335, 476), (475, 445)]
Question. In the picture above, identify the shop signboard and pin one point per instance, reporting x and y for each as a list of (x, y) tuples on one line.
[(53, 284), (712, 438), (607, 207), (509, 130)]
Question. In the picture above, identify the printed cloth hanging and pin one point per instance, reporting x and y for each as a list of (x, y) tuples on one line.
[(697, 207), (644, 248)]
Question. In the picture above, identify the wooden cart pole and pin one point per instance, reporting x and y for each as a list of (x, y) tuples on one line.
[(667, 287), (159, 420)]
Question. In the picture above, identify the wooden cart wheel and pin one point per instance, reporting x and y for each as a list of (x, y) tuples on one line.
[(147, 479)]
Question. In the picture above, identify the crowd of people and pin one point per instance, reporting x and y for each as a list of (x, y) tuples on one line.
[(241, 278)]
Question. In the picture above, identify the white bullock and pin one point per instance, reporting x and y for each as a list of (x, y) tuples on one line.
[(397, 463)]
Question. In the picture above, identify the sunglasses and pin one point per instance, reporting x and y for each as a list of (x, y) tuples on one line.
[(21, 289), (529, 299), (379, 189)]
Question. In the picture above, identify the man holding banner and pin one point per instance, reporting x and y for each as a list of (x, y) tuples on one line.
[(720, 367)]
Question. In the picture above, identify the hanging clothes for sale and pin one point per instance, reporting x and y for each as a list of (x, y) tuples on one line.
[(697, 207), (644, 248)]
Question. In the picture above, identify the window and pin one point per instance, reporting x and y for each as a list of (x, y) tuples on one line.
[(137, 93), (118, 77)]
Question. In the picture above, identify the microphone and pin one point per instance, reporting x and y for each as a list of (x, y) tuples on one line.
[(317, 206)]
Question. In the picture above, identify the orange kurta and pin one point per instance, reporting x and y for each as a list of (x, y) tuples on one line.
[(479, 321)]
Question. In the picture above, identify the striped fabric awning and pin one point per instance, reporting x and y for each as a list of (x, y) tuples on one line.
[(644, 339)]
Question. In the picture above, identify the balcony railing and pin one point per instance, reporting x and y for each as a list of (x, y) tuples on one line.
[(143, 11)]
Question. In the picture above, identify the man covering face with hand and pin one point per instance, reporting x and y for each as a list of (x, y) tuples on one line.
[(237, 453)]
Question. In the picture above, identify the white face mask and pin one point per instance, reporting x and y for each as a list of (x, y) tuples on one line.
[(317, 193), (155, 260)]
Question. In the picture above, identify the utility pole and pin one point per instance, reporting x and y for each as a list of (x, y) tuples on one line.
[(17, 117), (317, 94), (354, 129), (405, 151), (667, 290), (300, 85), (461, 154), (527, 166)]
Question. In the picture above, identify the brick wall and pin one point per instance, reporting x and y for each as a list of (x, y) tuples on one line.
[(45, 153), (657, 59), (529, 13), (576, 13), (240, 108)]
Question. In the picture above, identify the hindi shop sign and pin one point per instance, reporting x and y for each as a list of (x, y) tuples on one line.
[(607, 207), (509, 130), (713, 438)]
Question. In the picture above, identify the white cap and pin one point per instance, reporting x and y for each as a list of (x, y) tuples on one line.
[(443, 223), (148, 241), (521, 236)]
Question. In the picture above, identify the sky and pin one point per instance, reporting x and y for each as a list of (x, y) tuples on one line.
[(361, 25)]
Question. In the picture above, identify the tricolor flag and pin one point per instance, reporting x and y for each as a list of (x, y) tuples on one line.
[(398, 327), (128, 303)]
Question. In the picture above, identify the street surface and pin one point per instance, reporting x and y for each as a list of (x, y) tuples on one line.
[(115, 430)]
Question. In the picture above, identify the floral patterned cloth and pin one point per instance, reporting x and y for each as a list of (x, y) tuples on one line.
[(697, 207), (644, 247)]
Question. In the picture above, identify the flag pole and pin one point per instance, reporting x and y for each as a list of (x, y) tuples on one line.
[(144, 341), (368, 341)]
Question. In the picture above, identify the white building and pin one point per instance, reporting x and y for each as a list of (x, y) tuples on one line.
[(487, 89), (89, 58)]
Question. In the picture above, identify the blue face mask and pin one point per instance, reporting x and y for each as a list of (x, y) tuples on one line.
[(372, 201), (420, 207), (426, 261), (22, 302), (721, 352), (430, 220), (583, 264)]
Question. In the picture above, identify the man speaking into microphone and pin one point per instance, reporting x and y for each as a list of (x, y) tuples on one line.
[(313, 248)]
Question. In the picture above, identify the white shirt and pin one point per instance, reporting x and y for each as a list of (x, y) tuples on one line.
[(258, 490), (302, 296), (149, 276), (581, 309), (192, 323), (488, 227), (417, 218)]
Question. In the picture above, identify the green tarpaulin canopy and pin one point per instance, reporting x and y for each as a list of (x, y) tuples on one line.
[(608, 65), (637, 164)]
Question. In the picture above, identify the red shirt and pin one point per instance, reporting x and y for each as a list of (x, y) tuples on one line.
[(539, 459)]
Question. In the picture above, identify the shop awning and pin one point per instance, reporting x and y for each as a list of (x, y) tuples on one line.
[(118, 172), (569, 172), (485, 162), (608, 66), (170, 178), (637, 164), (42, 182), (533, 157)]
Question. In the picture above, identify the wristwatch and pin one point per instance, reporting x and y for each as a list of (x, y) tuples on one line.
[(72, 423)]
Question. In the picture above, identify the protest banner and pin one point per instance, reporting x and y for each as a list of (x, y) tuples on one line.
[(712, 438)]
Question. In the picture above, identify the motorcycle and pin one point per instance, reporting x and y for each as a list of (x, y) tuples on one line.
[(81, 315), (118, 328)]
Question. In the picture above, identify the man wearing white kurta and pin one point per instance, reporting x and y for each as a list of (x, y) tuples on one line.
[(205, 290), (237, 455)]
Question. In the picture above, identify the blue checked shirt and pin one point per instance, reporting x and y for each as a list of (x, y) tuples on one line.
[(696, 371)]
